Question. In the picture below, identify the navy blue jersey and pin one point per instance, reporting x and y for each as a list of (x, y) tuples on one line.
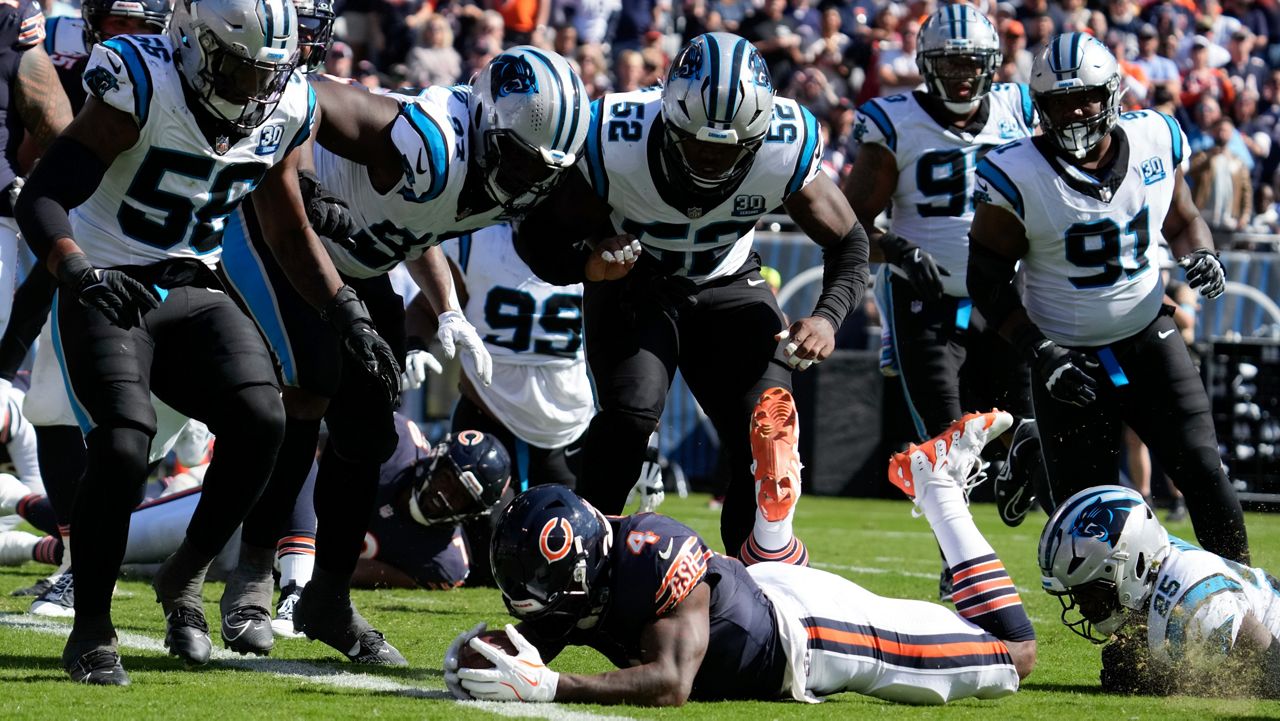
[(21, 28), (434, 556), (654, 564)]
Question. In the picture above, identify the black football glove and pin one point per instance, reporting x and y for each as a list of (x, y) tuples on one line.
[(1065, 373), (1205, 272), (924, 275), (327, 213), (115, 295), (362, 344)]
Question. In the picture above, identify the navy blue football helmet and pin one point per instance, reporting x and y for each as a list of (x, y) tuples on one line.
[(549, 554), (154, 13), (315, 31), (461, 478)]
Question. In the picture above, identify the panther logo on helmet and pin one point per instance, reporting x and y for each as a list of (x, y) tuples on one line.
[(759, 70), (512, 75), (1103, 520), (545, 539), (689, 64)]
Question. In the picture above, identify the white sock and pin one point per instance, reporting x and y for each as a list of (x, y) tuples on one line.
[(948, 514), (296, 569), (773, 536)]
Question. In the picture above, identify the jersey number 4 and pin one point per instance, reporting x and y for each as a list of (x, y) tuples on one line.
[(516, 310), (1100, 244)]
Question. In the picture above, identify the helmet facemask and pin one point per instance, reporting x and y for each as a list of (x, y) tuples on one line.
[(1077, 136), (959, 77), (240, 90), (518, 175), (315, 31), (445, 493), (1092, 611), (709, 160)]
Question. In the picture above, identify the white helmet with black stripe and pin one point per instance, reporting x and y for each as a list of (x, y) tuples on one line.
[(958, 54), (717, 104), (1074, 74), (529, 118)]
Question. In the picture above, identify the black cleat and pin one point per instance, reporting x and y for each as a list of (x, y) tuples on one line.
[(945, 584), (334, 621), (187, 635), (98, 665), (1014, 494), (248, 630), (59, 600), (36, 589)]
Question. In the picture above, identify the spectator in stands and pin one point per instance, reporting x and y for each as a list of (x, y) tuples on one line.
[(897, 64), (340, 62), (1017, 61), (1122, 16), (731, 12), (1040, 30), (629, 71), (1256, 139), (1035, 11), (591, 19), (1268, 121), (592, 68), (1204, 81), (774, 35), (1135, 87), (566, 40), (635, 18), (1219, 28), (1161, 71), (522, 18), (361, 27), (1220, 182), (1247, 72), (435, 61), (1075, 16)]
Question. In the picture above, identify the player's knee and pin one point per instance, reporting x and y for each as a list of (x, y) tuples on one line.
[(1023, 654), (120, 453), (303, 404), (254, 414), (626, 424)]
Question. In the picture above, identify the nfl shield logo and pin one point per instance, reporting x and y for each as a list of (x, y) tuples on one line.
[(223, 145), (694, 213)]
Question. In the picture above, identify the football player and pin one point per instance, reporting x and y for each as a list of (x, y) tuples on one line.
[(416, 170), (1085, 207), (917, 152), (682, 622), (1113, 567), (675, 178), (178, 130), (539, 401), (61, 445)]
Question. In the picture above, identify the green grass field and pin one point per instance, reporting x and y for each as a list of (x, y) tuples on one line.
[(875, 543)]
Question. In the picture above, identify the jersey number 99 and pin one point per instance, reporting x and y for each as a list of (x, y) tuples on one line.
[(516, 310)]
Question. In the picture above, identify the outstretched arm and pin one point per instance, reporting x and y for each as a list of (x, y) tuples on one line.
[(280, 211), (822, 212), (39, 97)]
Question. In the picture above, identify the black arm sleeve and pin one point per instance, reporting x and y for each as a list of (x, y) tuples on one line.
[(844, 276), (555, 238), (65, 177), (31, 304), (990, 283)]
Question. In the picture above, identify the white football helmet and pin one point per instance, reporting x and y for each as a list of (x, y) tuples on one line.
[(717, 104), (958, 53), (529, 116), (236, 55), (1101, 549), (1074, 70)]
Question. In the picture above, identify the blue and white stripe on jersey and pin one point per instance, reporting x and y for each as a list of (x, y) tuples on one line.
[(997, 179), (809, 154), (433, 139), (139, 74), (872, 110), (1184, 612), (304, 132), (595, 160)]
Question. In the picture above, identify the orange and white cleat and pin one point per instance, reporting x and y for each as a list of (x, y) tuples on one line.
[(955, 452), (775, 433)]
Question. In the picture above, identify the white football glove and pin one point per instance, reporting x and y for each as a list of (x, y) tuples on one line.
[(451, 664), (455, 329), (418, 364), (523, 677)]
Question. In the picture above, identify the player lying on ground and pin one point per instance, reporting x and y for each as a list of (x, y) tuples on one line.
[(682, 622), (1114, 568)]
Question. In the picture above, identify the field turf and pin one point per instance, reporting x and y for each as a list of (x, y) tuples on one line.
[(875, 543)]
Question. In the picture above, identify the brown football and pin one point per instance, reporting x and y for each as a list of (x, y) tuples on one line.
[(471, 658)]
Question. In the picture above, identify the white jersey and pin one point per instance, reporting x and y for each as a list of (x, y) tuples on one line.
[(933, 203), (624, 167), (533, 331), (64, 39), (170, 194), (422, 210), (1092, 267), (1200, 601)]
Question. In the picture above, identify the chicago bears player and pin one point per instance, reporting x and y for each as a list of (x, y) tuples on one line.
[(415, 171), (539, 401), (178, 131), (917, 152), (1111, 565), (683, 172), (682, 622), (1085, 207), (68, 39)]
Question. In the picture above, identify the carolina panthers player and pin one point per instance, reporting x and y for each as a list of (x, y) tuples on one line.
[(1085, 207), (178, 130), (683, 172), (539, 402), (415, 170), (682, 622), (917, 152), (1111, 564)]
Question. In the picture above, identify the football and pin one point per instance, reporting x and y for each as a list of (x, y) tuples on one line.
[(471, 658)]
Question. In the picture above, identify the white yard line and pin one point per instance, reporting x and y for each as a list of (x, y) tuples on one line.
[(312, 673)]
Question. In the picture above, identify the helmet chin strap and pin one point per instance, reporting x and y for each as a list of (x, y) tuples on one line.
[(961, 108), (415, 511)]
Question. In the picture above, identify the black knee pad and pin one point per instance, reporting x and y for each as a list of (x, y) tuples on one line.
[(625, 424), (254, 414), (362, 438), (119, 455)]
